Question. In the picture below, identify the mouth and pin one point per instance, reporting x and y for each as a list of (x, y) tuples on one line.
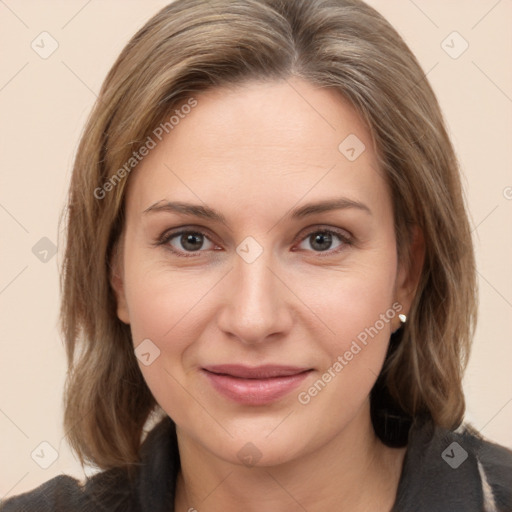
[(255, 385)]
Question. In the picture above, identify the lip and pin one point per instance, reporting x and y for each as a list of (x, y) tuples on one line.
[(255, 385)]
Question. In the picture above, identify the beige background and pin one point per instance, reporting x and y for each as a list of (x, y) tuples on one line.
[(44, 104)]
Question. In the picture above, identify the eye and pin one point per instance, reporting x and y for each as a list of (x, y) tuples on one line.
[(186, 241), (321, 240)]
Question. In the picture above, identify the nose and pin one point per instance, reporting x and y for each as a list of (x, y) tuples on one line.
[(256, 304)]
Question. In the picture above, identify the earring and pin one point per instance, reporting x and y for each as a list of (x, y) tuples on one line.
[(403, 319)]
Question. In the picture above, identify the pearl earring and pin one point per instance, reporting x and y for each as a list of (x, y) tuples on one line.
[(403, 319)]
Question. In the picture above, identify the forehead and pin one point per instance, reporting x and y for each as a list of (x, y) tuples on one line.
[(273, 142)]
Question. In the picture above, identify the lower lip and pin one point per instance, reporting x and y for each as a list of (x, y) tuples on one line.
[(255, 391)]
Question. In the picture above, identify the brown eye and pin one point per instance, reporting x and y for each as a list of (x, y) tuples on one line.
[(322, 240), (183, 242), (191, 241)]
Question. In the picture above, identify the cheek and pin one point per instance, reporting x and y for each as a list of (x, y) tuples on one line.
[(165, 308), (352, 357), (357, 309), (355, 299), (163, 303)]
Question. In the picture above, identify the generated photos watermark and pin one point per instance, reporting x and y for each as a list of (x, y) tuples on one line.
[(304, 397), (151, 142)]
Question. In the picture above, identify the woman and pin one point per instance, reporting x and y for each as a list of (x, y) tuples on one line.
[(282, 289)]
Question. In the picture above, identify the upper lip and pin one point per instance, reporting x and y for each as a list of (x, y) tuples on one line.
[(255, 372)]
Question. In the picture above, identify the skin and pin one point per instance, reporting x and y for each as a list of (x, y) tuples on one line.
[(253, 153)]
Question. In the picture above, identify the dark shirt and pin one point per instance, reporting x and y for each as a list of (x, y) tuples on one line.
[(443, 471)]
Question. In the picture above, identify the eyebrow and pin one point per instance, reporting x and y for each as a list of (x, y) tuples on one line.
[(205, 212)]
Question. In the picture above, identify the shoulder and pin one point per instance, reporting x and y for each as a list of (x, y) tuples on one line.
[(107, 490), (454, 470), (151, 486), (44, 497), (494, 464)]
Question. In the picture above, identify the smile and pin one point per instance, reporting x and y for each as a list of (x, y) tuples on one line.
[(254, 386)]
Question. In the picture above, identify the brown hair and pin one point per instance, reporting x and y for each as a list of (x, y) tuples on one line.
[(191, 46)]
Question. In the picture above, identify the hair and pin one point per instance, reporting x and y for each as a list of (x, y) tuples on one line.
[(192, 46)]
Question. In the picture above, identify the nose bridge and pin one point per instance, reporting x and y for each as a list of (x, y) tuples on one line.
[(255, 306)]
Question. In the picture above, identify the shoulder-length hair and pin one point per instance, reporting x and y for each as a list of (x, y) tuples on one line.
[(191, 46)]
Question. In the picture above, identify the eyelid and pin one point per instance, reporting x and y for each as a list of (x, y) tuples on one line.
[(323, 228)]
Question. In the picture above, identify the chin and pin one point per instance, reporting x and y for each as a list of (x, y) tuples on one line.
[(260, 452)]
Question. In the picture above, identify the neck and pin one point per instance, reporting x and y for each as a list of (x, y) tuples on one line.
[(353, 472)]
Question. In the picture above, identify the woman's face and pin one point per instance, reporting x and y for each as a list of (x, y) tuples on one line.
[(275, 282)]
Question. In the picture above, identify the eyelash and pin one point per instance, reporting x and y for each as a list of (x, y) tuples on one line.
[(166, 237)]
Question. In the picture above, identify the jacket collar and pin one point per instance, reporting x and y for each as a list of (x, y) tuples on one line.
[(440, 472), (156, 483)]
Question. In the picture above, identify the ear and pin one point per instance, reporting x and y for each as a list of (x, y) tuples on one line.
[(409, 273), (116, 278)]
